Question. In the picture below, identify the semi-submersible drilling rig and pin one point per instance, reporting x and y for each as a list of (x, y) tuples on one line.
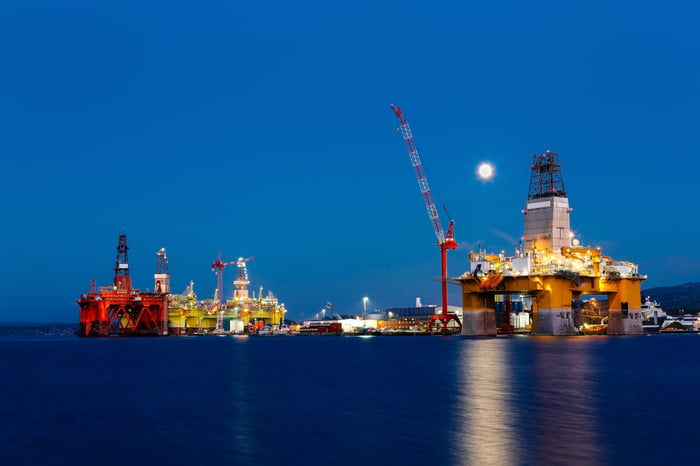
[(550, 273), (122, 310)]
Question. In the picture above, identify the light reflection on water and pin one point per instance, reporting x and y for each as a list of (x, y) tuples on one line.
[(349, 401), (529, 403), (241, 394), (484, 411), (565, 410)]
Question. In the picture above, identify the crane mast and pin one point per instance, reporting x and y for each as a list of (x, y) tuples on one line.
[(218, 268), (438, 322), (420, 174)]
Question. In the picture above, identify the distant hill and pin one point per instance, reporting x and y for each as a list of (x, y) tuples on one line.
[(675, 298)]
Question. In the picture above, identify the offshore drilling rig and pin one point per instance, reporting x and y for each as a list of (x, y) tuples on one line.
[(550, 274), (243, 312), (121, 310)]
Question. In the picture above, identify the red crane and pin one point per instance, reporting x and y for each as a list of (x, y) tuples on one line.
[(438, 322), (218, 268)]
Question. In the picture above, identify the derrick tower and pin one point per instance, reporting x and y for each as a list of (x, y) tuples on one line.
[(122, 280), (547, 225), (241, 282), (162, 277), (546, 179)]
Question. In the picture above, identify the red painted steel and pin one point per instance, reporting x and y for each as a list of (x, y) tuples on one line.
[(118, 312), (438, 322), (120, 309), (218, 267)]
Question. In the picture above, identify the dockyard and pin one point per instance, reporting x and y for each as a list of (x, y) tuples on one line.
[(549, 285)]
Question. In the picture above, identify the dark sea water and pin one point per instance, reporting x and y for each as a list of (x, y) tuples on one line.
[(350, 400)]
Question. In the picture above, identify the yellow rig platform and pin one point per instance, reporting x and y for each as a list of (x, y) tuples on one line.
[(187, 315), (542, 286)]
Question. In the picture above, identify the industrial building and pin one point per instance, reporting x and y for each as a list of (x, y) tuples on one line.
[(417, 317)]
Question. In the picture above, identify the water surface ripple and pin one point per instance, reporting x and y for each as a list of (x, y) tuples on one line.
[(349, 400)]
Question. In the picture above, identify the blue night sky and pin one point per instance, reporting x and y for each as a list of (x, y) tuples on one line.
[(264, 129)]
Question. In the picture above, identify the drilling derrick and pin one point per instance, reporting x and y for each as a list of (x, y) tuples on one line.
[(438, 322), (162, 277), (547, 225), (546, 179), (162, 285), (241, 282), (122, 280)]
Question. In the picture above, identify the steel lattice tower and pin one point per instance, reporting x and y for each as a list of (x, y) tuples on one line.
[(122, 280), (546, 179), (547, 225), (162, 276), (241, 282)]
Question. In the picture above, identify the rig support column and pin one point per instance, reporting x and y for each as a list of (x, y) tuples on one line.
[(554, 313), (479, 315), (479, 323), (625, 312)]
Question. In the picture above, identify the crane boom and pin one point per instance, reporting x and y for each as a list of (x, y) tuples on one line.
[(420, 175), (438, 322)]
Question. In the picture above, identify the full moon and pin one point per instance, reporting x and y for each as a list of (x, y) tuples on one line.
[(485, 171)]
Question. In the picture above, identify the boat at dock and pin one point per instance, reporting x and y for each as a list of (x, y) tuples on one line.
[(653, 316), (682, 323)]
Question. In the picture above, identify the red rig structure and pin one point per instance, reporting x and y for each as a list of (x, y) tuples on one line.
[(122, 310)]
